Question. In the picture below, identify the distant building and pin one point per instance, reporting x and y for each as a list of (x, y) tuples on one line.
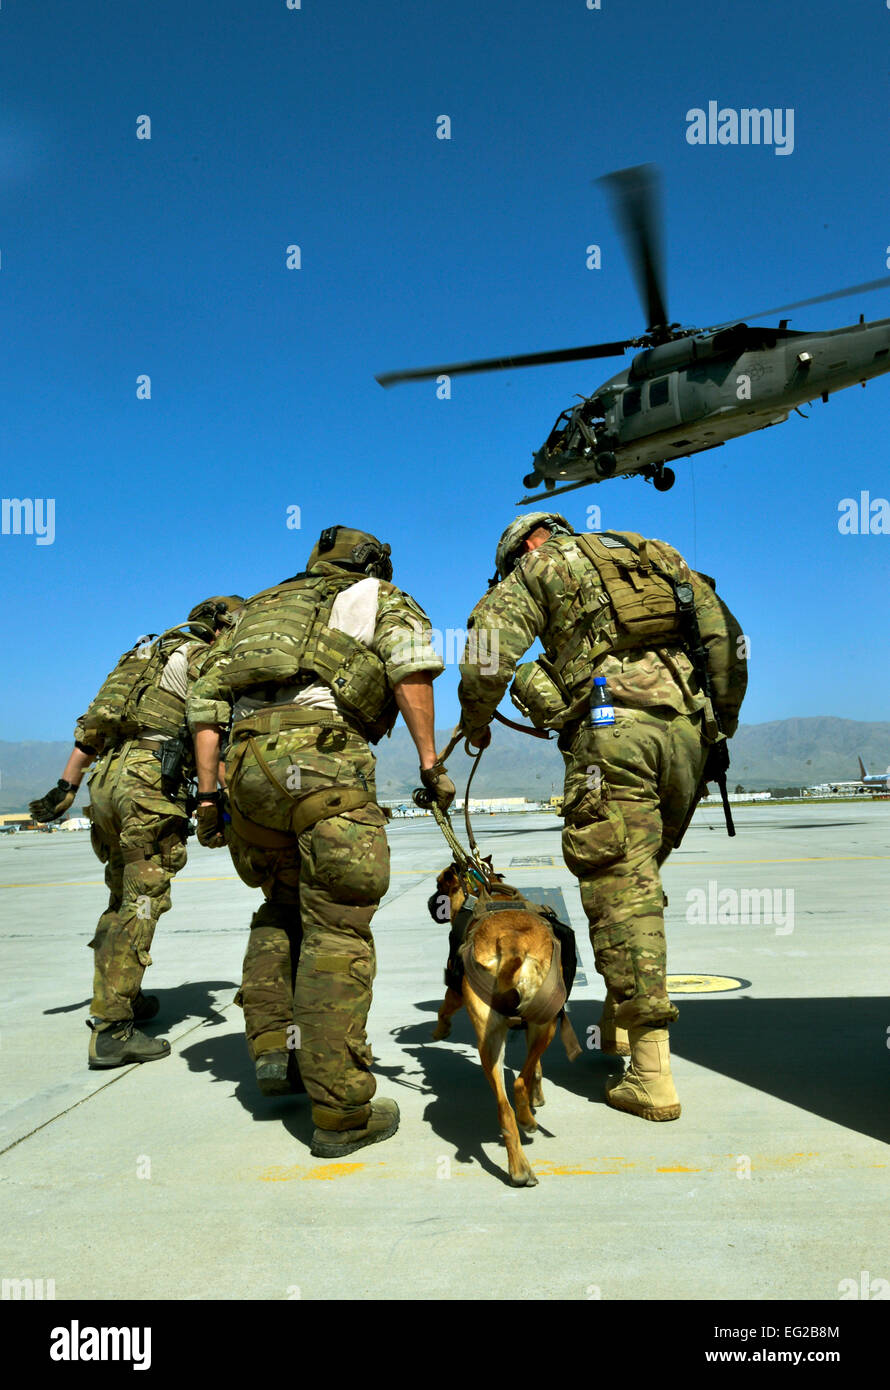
[(717, 800)]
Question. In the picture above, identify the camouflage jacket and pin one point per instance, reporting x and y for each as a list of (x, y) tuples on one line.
[(543, 597), (402, 641)]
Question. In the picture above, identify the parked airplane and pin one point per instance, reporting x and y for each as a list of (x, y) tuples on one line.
[(874, 779), (867, 781)]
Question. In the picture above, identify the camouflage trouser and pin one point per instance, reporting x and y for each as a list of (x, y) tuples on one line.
[(310, 958), (629, 792), (139, 835)]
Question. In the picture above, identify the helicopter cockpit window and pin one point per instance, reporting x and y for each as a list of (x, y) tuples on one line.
[(631, 402), (659, 391)]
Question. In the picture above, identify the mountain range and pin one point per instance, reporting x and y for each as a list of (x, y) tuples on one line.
[(781, 753)]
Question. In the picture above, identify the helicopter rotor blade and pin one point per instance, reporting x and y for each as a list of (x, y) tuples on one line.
[(636, 202), (498, 364), (864, 288)]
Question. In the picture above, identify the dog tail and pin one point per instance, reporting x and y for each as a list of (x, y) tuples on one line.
[(508, 971)]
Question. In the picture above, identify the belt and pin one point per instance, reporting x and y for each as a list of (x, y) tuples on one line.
[(271, 718)]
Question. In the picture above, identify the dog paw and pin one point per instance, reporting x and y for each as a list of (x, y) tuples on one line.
[(442, 1030), (524, 1179), (527, 1126)]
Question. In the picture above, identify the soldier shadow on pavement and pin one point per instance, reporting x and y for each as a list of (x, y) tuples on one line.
[(828, 1056), (462, 1110), (193, 1000), (70, 1008), (225, 1057)]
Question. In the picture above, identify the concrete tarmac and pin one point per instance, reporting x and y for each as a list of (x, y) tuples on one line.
[(178, 1180)]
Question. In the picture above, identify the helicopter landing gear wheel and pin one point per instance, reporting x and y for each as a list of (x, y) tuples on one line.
[(532, 480), (549, 484), (606, 464), (664, 479)]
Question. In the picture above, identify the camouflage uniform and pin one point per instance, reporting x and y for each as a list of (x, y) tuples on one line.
[(310, 958), (631, 788), (139, 834)]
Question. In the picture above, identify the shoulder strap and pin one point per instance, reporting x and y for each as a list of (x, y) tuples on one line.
[(586, 618)]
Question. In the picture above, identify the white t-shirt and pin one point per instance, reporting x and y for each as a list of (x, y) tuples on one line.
[(355, 613)]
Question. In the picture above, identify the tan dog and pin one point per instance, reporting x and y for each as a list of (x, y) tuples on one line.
[(512, 952)]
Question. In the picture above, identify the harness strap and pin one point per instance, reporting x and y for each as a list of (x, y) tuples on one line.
[(569, 1038), (545, 1003), (550, 997), (315, 806), (482, 982), (306, 810)]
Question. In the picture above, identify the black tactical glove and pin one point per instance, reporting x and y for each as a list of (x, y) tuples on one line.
[(437, 781), (57, 800), (210, 820)]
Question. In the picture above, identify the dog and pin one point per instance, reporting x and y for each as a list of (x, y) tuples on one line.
[(509, 975)]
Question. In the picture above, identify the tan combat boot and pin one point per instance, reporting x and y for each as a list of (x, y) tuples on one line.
[(334, 1143), (613, 1040), (647, 1087)]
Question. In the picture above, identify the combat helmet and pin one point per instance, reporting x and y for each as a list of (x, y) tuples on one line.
[(508, 548), (207, 617), (354, 550)]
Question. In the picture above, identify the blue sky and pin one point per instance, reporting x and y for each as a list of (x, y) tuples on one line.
[(317, 127)]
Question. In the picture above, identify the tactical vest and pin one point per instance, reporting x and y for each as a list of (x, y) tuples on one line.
[(471, 912), (549, 1001), (130, 702), (635, 609), (283, 638)]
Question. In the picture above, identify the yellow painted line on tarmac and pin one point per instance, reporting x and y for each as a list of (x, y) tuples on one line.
[(100, 883), (514, 869), (674, 863), (804, 859), (326, 1172), (723, 1165)]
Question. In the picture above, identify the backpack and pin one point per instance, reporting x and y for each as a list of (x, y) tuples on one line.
[(118, 710)]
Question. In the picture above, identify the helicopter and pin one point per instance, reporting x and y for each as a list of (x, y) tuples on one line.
[(689, 389)]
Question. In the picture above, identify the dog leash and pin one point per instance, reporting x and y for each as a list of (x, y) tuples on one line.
[(521, 728), (469, 866), (474, 848)]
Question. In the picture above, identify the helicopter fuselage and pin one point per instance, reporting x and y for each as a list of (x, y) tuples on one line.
[(699, 390)]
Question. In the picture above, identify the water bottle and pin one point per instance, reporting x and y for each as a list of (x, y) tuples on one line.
[(602, 711)]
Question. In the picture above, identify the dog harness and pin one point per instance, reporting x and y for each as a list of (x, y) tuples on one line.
[(548, 1002)]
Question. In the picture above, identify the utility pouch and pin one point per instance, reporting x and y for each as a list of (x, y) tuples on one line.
[(359, 684), (172, 755), (595, 844), (539, 693)]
